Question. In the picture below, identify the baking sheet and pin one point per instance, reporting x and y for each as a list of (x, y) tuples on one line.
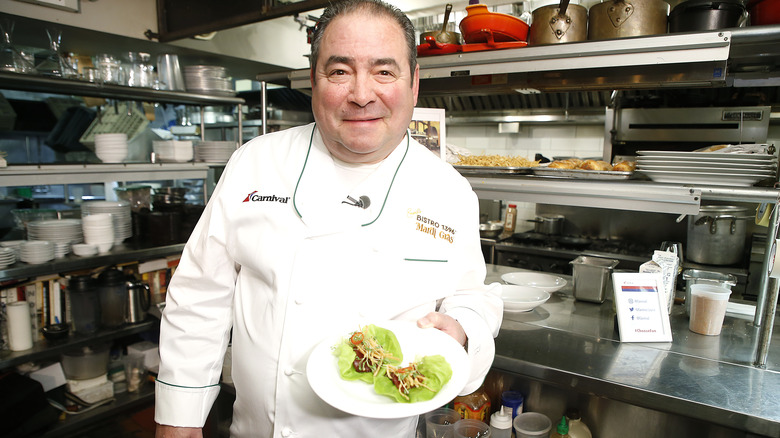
[(581, 174), (491, 170)]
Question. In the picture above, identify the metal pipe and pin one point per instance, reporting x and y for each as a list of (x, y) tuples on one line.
[(765, 334), (263, 105), (747, 194), (763, 289)]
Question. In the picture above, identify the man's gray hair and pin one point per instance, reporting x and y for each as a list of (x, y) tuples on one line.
[(372, 7)]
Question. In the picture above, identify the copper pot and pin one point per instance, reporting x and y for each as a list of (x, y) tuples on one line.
[(561, 23), (626, 18)]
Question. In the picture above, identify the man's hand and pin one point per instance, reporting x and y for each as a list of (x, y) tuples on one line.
[(177, 432), (445, 323)]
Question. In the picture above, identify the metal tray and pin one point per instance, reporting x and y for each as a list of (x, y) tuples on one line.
[(490, 170), (580, 174)]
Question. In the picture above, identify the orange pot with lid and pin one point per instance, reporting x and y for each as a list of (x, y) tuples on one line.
[(480, 23)]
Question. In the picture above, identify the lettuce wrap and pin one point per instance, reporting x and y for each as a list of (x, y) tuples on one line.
[(346, 354), (437, 372)]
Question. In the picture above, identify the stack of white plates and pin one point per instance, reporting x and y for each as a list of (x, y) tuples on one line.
[(36, 251), (173, 151), (99, 231), (710, 168), (215, 151), (7, 257), (15, 245), (208, 79), (55, 230), (111, 148), (120, 213)]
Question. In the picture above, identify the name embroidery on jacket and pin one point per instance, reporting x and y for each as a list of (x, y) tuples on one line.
[(431, 227), (254, 197)]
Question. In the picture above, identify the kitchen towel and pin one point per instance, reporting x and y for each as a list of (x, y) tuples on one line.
[(19, 326)]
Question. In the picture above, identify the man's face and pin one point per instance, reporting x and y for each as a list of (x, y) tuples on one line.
[(363, 93)]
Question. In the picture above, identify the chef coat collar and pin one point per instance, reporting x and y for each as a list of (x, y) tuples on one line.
[(313, 153)]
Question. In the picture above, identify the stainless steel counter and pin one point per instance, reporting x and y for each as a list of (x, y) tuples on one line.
[(575, 345)]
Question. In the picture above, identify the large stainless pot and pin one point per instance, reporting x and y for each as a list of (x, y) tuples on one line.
[(551, 224), (562, 23), (625, 18), (716, 236)]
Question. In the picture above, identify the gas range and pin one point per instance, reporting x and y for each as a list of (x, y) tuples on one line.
[(553, 253)]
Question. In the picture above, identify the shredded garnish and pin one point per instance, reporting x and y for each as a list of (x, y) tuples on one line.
[(369, 355), (495, 161), (406, 378)]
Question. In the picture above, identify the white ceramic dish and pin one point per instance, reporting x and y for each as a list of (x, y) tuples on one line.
[(84, 249), (539, 280), (522, 298), (359, 398)]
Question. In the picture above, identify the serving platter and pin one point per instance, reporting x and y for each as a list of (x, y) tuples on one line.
[(359, 398), (493, 170), (581, 174)]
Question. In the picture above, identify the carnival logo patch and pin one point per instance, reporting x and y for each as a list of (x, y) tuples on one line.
[(254, 197)]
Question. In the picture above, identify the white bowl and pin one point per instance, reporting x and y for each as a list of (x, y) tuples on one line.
[(522, 298), (104, 247), (539, 280), (84, 249)]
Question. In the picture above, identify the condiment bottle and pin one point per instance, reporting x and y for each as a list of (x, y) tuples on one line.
[(577, 429), (511, 219), (501, 424), (562, 431), (475, 406), (513, 401)]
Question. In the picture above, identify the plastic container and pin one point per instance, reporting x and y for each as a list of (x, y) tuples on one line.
[(698, 276), (590, 278), (112, 287), (501, 423), (474, 406), (708, 308), (562, 430), (532, 425), (471, 429), (513, 400), (84, 304), (577, 429), (85, 363)]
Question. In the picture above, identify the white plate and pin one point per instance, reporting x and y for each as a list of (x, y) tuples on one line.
[(546, 282), (699, 169), (707, 155), (359, 398), (522, 298), (722, 163), (704, 178)]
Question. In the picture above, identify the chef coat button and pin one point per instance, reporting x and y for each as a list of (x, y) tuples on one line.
[(289, 371), (287, 432)]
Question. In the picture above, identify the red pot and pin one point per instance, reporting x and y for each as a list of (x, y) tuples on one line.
[(504, 27), (764, 12)]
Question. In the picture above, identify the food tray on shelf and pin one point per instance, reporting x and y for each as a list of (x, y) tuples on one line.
[(493, 170), (581, 174)]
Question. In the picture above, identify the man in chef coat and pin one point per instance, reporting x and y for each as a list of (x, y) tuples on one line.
[(315, 230)]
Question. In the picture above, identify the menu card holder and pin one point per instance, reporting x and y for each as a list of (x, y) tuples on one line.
[(641, 307)]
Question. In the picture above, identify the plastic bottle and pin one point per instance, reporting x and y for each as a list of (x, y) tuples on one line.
[(475, 406), (577, 429), (562, 431), (513, 401), (511, 219), (501, 424)]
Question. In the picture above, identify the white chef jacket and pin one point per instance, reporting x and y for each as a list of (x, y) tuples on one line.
[(279, 258)]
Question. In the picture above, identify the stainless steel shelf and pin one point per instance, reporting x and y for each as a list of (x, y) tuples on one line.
[(100, 173), (119, 254), (24, 82)]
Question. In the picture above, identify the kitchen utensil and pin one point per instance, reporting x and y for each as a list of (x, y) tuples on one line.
[(699, 276), (442, 36), (431, 47), (763, 12), (490, 231), (480, 22), (84, 303), (112, 289), (717, 235), (169, 72), (85, 363), (702, 15), (591, 276), (625, 18), (139, 299), (560, 23), (550, 224)]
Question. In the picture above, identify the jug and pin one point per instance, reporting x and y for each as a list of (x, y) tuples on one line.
[(112, 287), (84, 304), (139, 299)]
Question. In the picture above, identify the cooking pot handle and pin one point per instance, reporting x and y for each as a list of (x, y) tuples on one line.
[(146, 298), (489, 34)]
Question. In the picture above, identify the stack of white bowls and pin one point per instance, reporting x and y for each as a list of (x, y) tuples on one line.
[(215, 151), (173, 151), (111, 148), (36, 251), (120, 212), (99, 230), (7, 257)]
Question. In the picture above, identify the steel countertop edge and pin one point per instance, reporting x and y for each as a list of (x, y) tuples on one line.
[(575, 345)]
